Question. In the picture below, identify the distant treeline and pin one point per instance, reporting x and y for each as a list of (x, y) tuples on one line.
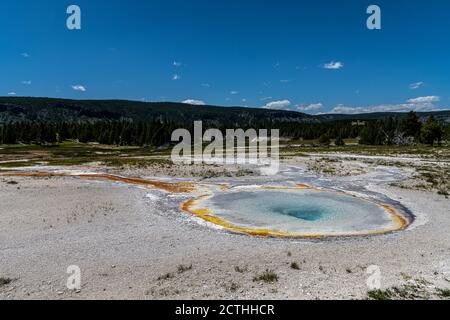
[(407, 130)]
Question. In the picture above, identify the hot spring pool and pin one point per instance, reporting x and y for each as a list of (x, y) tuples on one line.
[(296, 213)]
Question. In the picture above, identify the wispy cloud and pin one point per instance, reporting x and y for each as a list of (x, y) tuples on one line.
[(310, 107), (265, 98), (234, 92), (25, 55), (285, 81), (194, 102), (206, 85), (417, 104), (177, 64), (79, 87), (278, 105), (416, 85), (12, 93), (176, 77), (333, 65), (26, 82)]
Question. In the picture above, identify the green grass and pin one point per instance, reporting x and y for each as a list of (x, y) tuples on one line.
[(405, 276), (71, 153), (20, 164), (443, 293), (166, 276), (5, 281), (295, 266), (430, 178), (232, 287), (121, 162), (417, 289), (240, 269), (268, 276), (183, 268), (379, 294), (442, 152)]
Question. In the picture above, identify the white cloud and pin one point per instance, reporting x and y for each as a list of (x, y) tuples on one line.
[(285, 81), (265, 98), (278, 105), (416, 85), (234, 92), (79, 87), (206, 85), (333, 65), (420, 104), (12, 93), (177, 64), (310, 107), (427, 99), (194, 102), (25, 55), (176, 77), (27, 82)]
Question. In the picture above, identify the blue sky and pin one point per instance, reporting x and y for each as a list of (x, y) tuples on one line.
[(310, 56)]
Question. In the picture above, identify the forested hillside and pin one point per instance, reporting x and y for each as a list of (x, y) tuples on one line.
[(120, 122), (57, 110)]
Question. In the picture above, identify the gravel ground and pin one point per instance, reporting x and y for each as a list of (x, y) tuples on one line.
[(130, 242)]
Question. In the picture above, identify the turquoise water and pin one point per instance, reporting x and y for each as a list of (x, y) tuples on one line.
[(307, 212)]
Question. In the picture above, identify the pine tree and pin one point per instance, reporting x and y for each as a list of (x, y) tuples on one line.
[(431, 132), (410, 125), (324, 139), (339, 141)]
